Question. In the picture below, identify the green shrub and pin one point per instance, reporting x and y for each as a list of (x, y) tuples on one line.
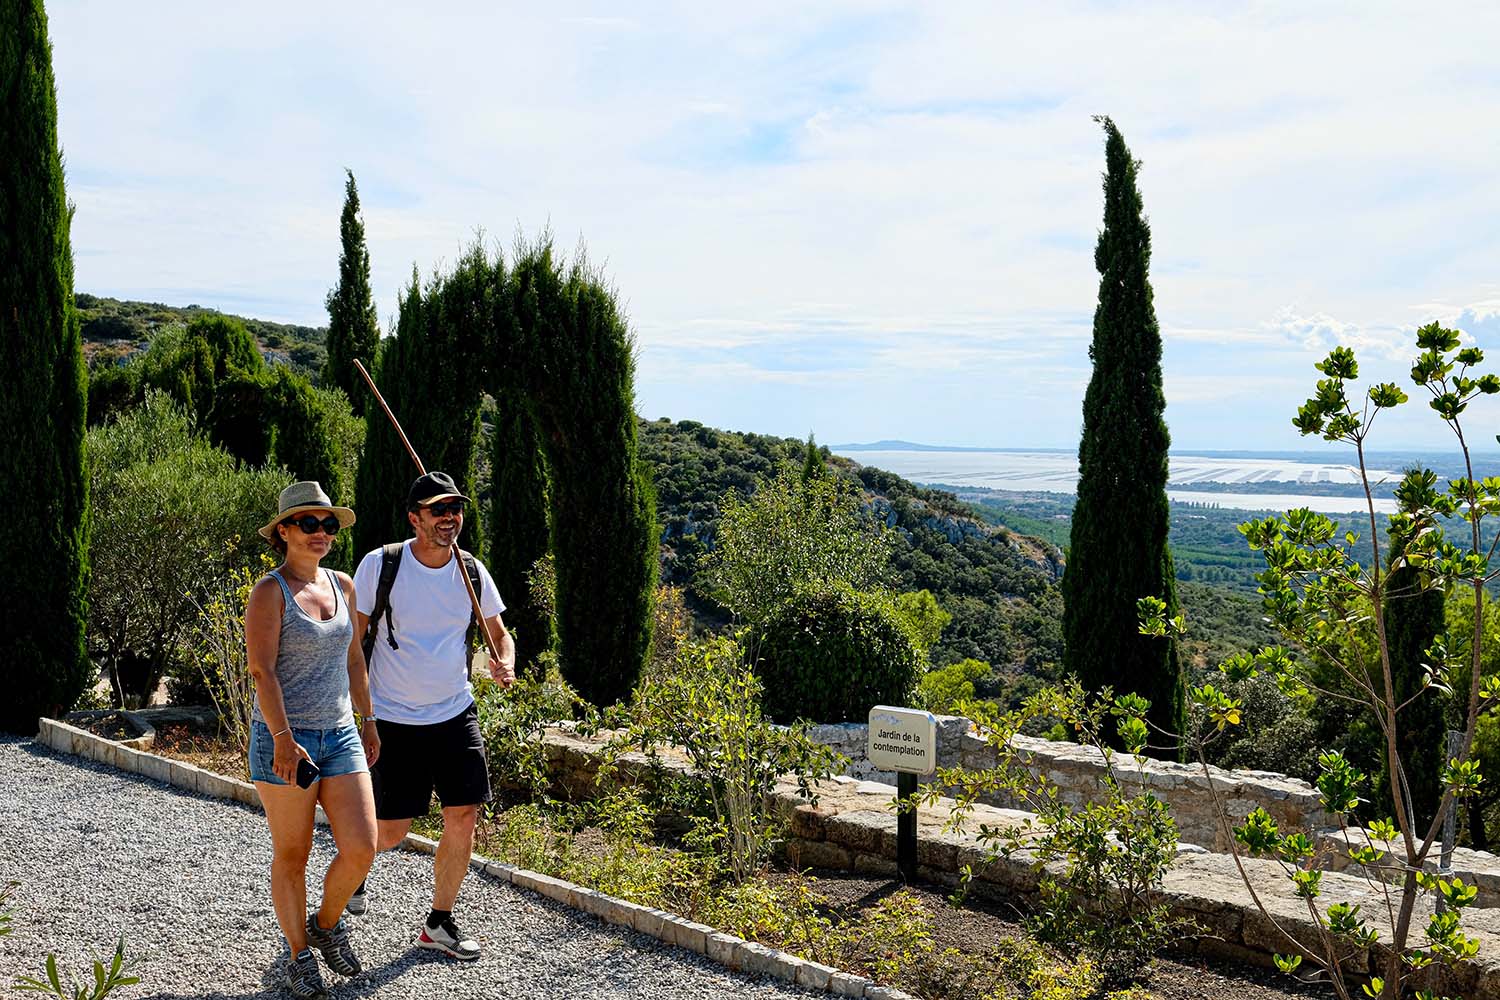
[(232, 347), (925, 616), (709, 706), (171, 515), (831, 654), (218, 645), (112, 388), (944, 689), (786, 914), (1105, 862), (793, 534)]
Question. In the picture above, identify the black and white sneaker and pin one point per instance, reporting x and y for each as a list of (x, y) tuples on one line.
[(303, 978), (359, 902), (448, 939), (338, 953)]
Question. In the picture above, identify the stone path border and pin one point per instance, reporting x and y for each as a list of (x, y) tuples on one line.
[(727, 950)]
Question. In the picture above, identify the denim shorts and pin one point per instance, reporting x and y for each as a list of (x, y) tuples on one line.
[(335, 751)]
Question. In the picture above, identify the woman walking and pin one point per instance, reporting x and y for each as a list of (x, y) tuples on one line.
[(309, 675)]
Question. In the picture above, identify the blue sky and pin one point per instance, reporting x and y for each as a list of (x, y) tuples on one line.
[(867, 221)]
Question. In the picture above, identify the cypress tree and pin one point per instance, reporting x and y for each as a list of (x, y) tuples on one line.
[(385, 472), (577, 363), (431, 374), (43, 476), (1118, 552), (353, 330), (518, 522), (1413, 618)]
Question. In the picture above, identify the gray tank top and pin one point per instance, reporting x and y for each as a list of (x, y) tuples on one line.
[(312, 662)]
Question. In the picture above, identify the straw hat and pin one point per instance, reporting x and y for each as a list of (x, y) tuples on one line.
[(299, 497)]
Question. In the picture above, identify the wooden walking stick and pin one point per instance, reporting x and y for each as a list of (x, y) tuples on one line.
[(489, 640)]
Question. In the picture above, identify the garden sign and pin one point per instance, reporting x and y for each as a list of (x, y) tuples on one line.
[(904, 740)]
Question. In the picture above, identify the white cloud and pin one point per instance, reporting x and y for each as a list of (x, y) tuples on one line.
[(921, 171), (1320, 333)]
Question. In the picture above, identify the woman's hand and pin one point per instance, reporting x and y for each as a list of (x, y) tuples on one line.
[(369, 735), (288, 753)]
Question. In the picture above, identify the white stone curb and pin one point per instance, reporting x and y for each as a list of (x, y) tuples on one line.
[(725, 949)]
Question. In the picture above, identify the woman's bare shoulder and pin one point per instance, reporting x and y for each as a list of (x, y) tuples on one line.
[(265, 592)]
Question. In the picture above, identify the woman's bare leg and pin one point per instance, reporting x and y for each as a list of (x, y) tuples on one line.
[(289, 811), (350, 806)]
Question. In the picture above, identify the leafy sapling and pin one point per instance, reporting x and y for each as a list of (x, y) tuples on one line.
[(1330, 593)]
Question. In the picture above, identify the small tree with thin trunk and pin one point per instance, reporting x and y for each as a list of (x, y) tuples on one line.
[(1333, 593)]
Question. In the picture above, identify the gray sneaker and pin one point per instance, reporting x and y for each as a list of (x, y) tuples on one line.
[(359, 902), (338, 954), (302, 976)]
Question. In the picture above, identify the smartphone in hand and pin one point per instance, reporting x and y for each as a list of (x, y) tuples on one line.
[(307, 772)]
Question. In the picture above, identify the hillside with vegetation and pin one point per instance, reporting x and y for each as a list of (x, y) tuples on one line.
[(992, 560), (114, 330), (999, 585)]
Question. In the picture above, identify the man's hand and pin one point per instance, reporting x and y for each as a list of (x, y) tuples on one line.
[(503, 672), (502, 667)]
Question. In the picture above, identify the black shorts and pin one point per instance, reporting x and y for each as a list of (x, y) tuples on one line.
[(414, 760)]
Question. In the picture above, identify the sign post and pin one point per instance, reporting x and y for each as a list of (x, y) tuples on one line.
[(904, 740)]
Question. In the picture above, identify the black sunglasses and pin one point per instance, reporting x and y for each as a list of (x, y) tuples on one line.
[(445, 507), (310, 524)]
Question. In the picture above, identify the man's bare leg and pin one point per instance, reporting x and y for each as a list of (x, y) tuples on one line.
[(454, 850)]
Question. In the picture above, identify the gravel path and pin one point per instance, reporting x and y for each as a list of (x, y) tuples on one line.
[(99, 853)]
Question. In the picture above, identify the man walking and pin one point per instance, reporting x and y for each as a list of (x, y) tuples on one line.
[(416, 617)]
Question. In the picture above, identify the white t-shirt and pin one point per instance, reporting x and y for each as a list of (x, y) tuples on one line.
[(426, 679)]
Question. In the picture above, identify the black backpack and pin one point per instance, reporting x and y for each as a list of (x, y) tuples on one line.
[(390, 564)]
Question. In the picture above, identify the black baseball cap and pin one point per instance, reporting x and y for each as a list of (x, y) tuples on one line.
[(431, 488)]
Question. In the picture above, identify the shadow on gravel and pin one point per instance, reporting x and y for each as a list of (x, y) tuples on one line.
[(368, 983)]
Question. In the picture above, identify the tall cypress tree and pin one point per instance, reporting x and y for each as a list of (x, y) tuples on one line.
[(353, 330), (43, 478), (431, 375), (518, 522), (577, 370), (385, 472), (1413, 618), (1118, 551)]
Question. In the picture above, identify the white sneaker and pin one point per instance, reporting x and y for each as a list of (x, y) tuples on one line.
[(359, 902), (448, 939)]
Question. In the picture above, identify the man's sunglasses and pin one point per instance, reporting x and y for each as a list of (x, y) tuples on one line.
[(445, 507), (310, 524)]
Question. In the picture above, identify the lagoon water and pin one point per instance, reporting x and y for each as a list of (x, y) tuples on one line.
[(1057, 472)]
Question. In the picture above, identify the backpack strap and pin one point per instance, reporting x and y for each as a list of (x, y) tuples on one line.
[(471, 566), (390, 564)]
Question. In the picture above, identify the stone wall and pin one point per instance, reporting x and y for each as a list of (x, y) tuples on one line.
[(853, 828), (1077, 770)]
